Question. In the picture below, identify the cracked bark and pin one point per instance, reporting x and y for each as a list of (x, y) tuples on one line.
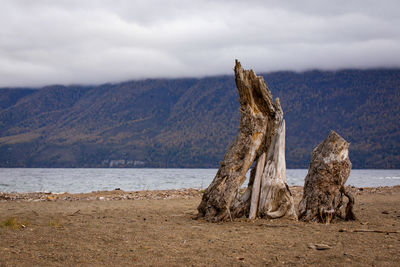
[(324, 189), (261, 138)]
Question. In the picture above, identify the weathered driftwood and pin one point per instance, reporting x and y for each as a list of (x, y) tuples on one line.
[(255, 191), (324, 184), (370, 231), (276, 200), (258, 140)]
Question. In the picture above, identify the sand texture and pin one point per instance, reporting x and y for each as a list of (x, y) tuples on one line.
[(155, 228)]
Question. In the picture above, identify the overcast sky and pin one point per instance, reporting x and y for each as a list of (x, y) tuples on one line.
[(45, 42)]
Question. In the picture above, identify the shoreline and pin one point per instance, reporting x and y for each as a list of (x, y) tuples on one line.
[(185, 193)]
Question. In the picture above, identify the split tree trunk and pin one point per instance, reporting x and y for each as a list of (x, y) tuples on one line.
[(276, 200), (260, 138), (324, 184)]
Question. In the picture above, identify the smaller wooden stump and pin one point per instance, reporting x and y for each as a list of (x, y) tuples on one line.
[(324, 184)]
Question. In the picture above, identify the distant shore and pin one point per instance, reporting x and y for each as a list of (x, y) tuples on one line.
[(155, 228)]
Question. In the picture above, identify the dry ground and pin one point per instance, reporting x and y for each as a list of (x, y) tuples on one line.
[(111, 229)]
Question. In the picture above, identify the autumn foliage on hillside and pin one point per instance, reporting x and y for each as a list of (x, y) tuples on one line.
[(190, 122)]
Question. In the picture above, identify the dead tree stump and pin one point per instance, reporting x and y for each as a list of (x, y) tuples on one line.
[(258, 140), (324, 184), (276, 200)]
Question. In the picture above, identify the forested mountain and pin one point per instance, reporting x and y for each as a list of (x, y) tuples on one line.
[(191, 122)]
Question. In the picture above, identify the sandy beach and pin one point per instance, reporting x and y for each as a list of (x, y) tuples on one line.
[(155, 228)]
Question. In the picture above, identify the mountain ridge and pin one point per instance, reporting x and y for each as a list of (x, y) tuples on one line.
[(190, 122)]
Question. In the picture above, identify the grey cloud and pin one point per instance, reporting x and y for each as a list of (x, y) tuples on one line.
[(86, 42)]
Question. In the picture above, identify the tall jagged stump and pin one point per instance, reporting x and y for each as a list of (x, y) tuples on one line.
[(261, 138)]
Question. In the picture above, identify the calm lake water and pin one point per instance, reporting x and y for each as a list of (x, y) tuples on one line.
[(88, 180)]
